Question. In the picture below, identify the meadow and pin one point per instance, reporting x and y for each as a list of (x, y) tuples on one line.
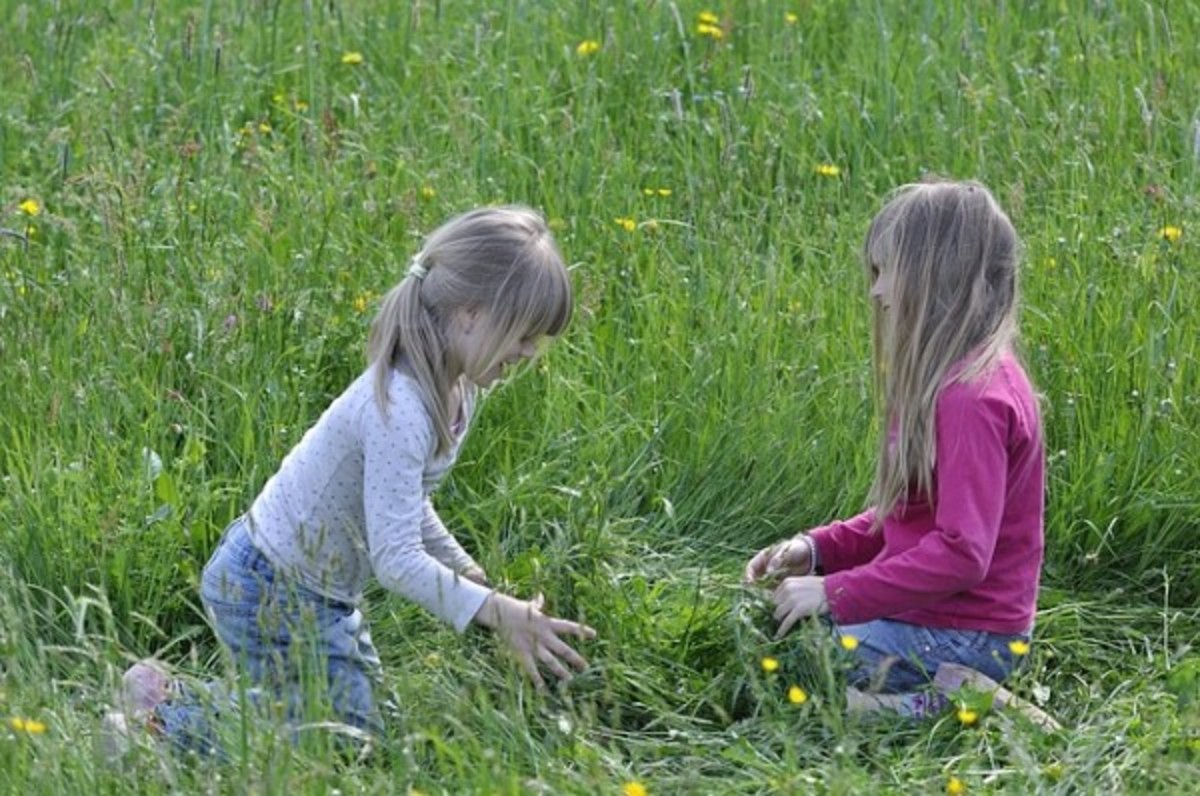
[(203, 202)]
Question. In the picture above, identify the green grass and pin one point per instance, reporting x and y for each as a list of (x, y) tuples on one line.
[(223, 199)]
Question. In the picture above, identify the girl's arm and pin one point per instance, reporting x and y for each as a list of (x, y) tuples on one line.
[(394, 453), (441, 544), (956, 553), (847, 543)]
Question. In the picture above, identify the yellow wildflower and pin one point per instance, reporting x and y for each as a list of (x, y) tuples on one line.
[(427, 192), (30, 726), (849, 643), (264, 127), (967, 716), (627, 224), (30, 207), (797, 695), (708, 18), (587, 47), (300, 105), (1051, 262), (711, 31), (1170, 234), (352, 58), (633, 789), (664, 191), (1018, 647), (828, 170), (955, 786), (361, 302), (791, 18), (770, 665)]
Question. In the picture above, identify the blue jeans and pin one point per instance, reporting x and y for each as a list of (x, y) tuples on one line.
[(297, 649), (900, 658)]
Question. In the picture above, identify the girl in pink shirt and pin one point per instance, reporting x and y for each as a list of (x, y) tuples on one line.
[(944, 566)]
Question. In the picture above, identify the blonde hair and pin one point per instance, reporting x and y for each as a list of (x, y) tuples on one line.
[(952, 255), (500, 261)]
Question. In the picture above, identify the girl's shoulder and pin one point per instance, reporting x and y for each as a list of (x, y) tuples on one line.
[(405, 405), (1002, 389)]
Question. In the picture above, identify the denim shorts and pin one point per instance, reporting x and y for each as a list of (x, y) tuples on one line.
[(291, 647), (897, 657)]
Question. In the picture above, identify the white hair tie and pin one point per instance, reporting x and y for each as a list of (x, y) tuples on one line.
[(416, 270)]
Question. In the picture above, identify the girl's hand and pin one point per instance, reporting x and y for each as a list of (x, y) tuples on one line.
[(533, 637), (797, 598), (789, 557)]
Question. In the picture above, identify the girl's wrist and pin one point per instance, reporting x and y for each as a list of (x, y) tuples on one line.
[(808, 543)]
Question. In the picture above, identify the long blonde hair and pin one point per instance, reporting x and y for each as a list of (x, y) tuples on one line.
[(501, 261), (952, 255)]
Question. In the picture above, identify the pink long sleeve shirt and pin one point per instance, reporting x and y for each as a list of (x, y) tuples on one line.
[(974, 560)]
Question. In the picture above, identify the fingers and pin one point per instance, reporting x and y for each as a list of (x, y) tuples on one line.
[(551, 662), (531, 669), (560, 626), (757, 566), (556, 646), (790, 619)]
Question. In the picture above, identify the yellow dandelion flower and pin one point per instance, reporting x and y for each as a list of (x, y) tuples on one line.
[(300, 105), (955, 786), (1051, 262), (1170, 234), (352, 58), (648, 191), (427, 192), (711, 31), (627, 224), (30, 207), (967, 716), (587, 47), (849, 643), (361, 302), (791, 18), (770, 665), (633, 789), (264, 127), (828, 170), (29, 726), (1018, 647), (664, 192), (708, 18), (797, 695)]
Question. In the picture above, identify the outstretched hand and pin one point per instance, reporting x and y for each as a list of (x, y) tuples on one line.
[(533, 637)]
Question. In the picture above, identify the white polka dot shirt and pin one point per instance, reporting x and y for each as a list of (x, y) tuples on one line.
[(352, 498)]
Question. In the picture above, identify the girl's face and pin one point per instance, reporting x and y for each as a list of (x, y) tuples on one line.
[(882, 288), (473, 344)]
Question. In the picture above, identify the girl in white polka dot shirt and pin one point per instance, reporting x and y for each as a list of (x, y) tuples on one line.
[(351, 500)]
